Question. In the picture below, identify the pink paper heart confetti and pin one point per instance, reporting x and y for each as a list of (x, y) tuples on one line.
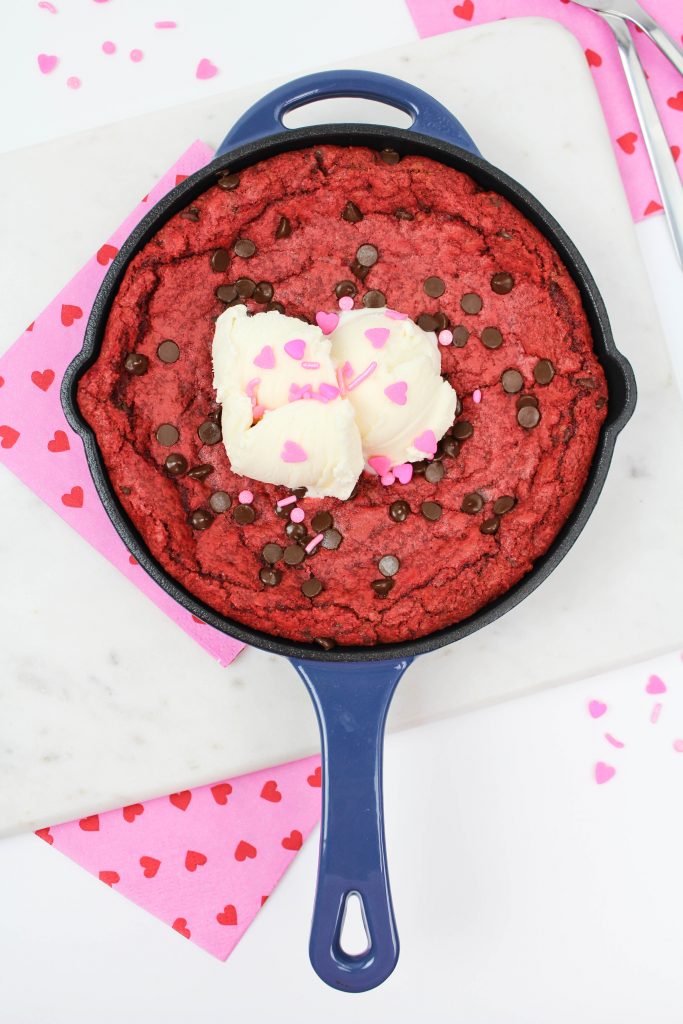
[(397, 392), (326, 321), (206, 69), (293, 452), (377, 336)]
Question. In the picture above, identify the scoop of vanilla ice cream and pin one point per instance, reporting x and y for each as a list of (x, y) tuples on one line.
[(402, 404)]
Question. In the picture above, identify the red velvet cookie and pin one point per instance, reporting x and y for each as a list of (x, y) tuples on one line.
[(396, 562)]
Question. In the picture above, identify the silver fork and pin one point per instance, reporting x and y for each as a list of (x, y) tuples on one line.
[(632, 11)]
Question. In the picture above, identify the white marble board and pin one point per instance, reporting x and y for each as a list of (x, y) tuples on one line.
[(103, 699)]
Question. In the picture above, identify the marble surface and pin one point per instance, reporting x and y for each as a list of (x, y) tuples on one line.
[(103, 699)]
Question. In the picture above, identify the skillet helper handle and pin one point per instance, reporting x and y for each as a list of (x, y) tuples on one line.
[(351, 702), (265, 117)]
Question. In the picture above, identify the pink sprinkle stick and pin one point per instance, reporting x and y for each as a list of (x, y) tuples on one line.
[(251, 386), (245, 497), (310, 366), (165, 24), (656, 712), (297, 515), (291, 500), (47, 6), (361, 376), (312, 545), (615, 742)]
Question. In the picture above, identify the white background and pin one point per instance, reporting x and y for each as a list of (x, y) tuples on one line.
[(525, 893)]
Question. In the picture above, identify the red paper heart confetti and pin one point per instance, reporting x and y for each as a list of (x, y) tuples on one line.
[(43, 379), (465, 10), (70, 313), (271, 792), (59, 442), (316, 778), (653, 207), (180, 925), (675, 102), (594, 59), (44, 834)]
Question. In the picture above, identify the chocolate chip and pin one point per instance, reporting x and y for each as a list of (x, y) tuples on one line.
[(201, 471), (525, 400), (472, 503), (503, 504), (226, 292), (277, 306), (228, 181), (360, 272), (191, 214), (300, 492), (434, 287), (431, 510), (245, 248), (321, 521), (504, 234), (389, 156), (263, 292), (220, 261), (296, 531), (272, 553), (168, 351), (399, 511), (502, 283), (427, 322), (460, 336), (374, 299), (420, 466), (294, 554), (471, 303), (442, 321), (600, 402), (311, 588), (332, 539), (136, 363), (244, 515), (282, 511), (167, 434), (201, 519), (343, 288), (402, 214), (382, 587), (388, 565), (458, 406), (450, 447), (462, 430), (326, 642), (434, 472), (271, 577), (220, 501), (284, 228), (245, 287), (367, 255), (176, 464), (351, 213), (528, 417), (512, 381), (126, 490), (215, 415), (490, 525), (209, 432), (544, 371), (491, 337)]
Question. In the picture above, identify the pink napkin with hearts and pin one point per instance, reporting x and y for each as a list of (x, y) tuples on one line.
[(37, 443), (203, 860), (432, 17)]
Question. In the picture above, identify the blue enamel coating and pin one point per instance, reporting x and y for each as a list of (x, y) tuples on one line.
[(351, 702), (265, 117)]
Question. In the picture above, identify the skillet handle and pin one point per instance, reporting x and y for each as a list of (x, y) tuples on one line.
[(351, 702), (265, 117)]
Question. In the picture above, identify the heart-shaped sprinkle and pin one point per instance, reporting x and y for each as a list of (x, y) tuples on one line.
[(655, 685), (45, 835), (228, 915), (271, 792), (628, 142), (47, 62), (293, 841), (327, 321), (150, 866), (377, 336), (380, 463), (221, 792), (403, 473), (393, 314), (206, 69), (425, 442), (604, 772), (296, 348), (194, 860), (397, 392), (676, 102), (464, 10), (265, 360), (293, 452), (596, 708), (594, 59), (244, 850)]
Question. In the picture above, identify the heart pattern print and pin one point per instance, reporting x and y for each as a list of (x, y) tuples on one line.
[(36, 442), (203, 860)]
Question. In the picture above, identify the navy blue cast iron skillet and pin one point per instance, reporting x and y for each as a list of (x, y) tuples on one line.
[(352, 687)]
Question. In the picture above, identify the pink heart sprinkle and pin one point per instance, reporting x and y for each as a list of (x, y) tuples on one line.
[(655, 685), (388, 479), (403, 473), (296, 348), (397, 392), (47, 62), (346, 302), (445, 337), (328, 392), (425, 442), (377, 336), (596, 708), (476, 396), (393, 314), (265, 360), (380, 463), (205, 69), (327, 321), (297, 515), (293, 452), (604, 772)]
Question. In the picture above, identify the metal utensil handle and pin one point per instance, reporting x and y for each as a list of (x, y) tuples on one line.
[(265, 117), (351, 702), (659, 37), (663, 164)]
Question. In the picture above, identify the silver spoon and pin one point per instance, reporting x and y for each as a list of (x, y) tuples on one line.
[(632, 11)]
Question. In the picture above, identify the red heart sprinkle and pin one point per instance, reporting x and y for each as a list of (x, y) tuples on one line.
[(90, 824), (675, 102), (70, 313), (594, 59), (628, 142), (59, 442), (316, 778), (271, 792), (244, 850), (293, 841), (8, 436), (131, 812), (228, 915), (464, 10), (194, 860), (221, 792), (74, 498), (180, 925), (109, 877), (106, 253), (181, 800), (151, 866), (44, 834)]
